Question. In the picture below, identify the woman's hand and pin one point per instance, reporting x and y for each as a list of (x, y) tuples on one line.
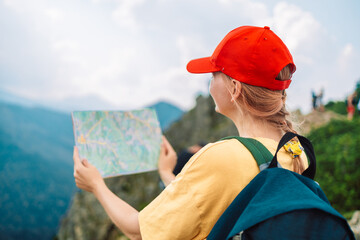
[(168, 157), (124, 216), (167, 162), (87, 177)]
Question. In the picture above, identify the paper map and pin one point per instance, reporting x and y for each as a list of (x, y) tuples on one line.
[(118, 142)]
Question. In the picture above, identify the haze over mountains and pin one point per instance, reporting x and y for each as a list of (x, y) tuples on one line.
[(36, 168), (86, 102), (35, 171)]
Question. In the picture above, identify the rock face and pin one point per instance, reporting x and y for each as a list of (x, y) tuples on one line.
[(315, 119), (86, 219), (201, 123)]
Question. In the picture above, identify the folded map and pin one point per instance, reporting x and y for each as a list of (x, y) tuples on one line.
[(118, 142)]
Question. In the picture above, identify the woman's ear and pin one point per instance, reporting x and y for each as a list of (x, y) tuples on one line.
[(236, 90)]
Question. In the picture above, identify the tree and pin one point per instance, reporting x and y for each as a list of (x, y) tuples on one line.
[(337, 149)]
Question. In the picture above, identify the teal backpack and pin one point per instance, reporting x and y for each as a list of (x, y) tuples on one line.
[(280, 204)]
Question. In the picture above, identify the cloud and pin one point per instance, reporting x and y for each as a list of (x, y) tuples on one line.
[(247, 9), (346, 56), (348, 72), (124, 14), (296, 27), (302, 34), (54, 14), (18, 5), (132, 52)]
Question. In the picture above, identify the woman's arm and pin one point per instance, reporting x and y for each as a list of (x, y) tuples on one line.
[(124, 216)]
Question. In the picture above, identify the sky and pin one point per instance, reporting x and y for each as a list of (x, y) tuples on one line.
[(130, 53)]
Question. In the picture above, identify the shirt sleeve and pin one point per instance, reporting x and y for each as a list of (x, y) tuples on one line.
[(172, 215), (189, 207)]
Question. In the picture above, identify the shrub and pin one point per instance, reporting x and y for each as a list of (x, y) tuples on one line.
[(338, 107), (337, 149)]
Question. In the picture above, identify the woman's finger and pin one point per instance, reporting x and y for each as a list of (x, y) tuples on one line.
[(165, 141), (76, 173), (169, 148), (80, 183), (167, 144), (85, 162), (76, 157), (83, 187)]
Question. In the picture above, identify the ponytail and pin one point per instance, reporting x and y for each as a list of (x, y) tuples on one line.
[(298, 164), (270, 105), (285, 74)]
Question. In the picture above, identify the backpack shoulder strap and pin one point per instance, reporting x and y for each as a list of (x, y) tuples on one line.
[(261, 154)]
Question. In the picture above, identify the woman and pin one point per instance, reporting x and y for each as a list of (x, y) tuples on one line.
[(251, 69)]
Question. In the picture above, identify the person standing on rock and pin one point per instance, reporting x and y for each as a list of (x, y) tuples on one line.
[(251, 68), (313, 100), (351, 102)]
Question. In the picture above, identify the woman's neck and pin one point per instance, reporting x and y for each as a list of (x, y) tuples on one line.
[(252, 127)]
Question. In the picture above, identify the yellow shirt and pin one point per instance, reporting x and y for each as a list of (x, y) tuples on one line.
[(190, 206)]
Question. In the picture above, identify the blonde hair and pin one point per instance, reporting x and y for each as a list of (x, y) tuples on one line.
[(270, 106)]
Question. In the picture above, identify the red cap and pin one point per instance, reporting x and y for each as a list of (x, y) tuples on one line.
[(252, 55)]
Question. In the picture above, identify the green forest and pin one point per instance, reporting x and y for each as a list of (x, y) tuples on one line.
[(338, 163)]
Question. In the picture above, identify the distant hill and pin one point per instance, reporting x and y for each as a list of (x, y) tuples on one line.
[(167, 113), (13, 99), (36, 167), (67, 105), (35, 171)]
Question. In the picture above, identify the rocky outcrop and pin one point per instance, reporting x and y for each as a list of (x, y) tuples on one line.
[(201, 123), (355, 224), (87, 220), (314, 120)]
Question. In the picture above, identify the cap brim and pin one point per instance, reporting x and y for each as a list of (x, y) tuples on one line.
[(202, 65)]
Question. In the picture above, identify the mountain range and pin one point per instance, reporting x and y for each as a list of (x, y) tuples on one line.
[(35, 171), (36, 168)]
